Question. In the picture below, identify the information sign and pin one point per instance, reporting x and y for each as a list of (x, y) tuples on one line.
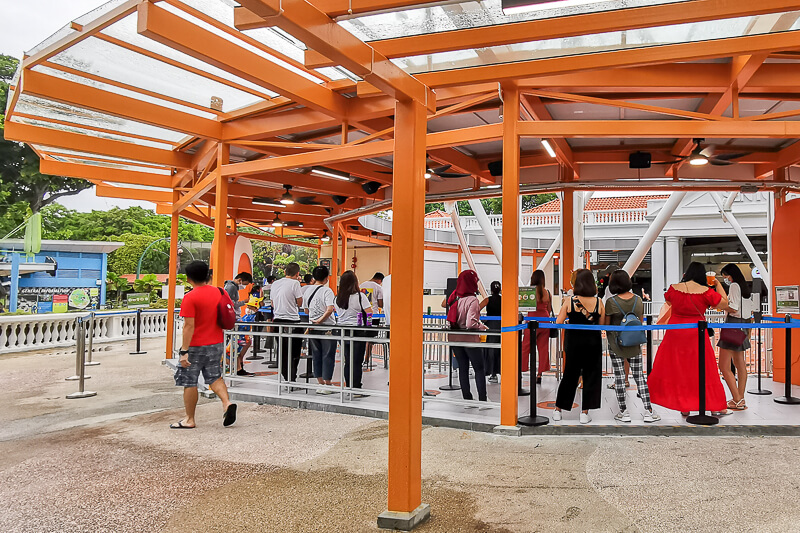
[(138, 300), (787, 300)]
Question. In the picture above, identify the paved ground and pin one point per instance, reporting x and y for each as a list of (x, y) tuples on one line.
[(110, 463)]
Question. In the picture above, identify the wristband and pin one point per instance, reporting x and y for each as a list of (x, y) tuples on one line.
[(183, 352)]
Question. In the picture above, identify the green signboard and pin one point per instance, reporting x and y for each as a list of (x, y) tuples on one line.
[(138, 300), (527, 297)]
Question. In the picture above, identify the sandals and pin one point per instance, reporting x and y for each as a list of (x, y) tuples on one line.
[(230, 415), (737, 406), (180, 425)]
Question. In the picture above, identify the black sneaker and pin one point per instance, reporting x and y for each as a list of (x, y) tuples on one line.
[(244, 372)]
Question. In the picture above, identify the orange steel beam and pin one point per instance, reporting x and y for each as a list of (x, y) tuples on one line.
[(537, 110), (510, 274), (318, 31), (192, 212), (405, 408), (70, 92), (180, 34), (252, 191), (172, 282), (94, 172), (219, 252), (571, 26), (362, 238), (110, 131), (690, 51), (340, 154), (334, 272), (15, 131), (661, 128), (275, 238), (244, 19), (245, 204), (203, 186), (314, 184), (88, 30), (128, 193), (626, 105)]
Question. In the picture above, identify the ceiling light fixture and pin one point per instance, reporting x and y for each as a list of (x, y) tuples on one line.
[(548, 148), (325, 237), (697, 159), (277, 222), (515, 7), (286, 198), (269, 202), (330, 173), (428, 175)]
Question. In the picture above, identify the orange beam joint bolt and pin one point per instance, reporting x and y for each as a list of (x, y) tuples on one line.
[(319, 32)]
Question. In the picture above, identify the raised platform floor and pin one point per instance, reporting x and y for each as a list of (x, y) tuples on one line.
[(447, 409)]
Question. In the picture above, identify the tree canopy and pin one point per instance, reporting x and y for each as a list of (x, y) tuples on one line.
[(494, 206)]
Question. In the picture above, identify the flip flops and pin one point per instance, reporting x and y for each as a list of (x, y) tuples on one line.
[(230, 415), (179, 425)]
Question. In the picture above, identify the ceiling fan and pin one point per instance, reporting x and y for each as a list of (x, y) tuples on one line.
[(704, 156), (434, 173)]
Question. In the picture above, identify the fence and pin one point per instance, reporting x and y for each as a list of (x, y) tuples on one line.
[(538, 220), (20, 333)]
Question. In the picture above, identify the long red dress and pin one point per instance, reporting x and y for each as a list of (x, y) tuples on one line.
[(674, 380), (543, 309)]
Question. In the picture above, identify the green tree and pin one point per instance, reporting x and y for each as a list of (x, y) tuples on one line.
[(20, 180), (125, 259), (494, 206)]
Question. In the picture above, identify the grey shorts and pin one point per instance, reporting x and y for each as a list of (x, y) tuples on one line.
[(205, 359)]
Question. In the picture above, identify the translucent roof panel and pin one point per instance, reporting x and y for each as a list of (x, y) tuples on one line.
[(90, 132), (600, 42), (57, 111), (104, 161), (472, 14)]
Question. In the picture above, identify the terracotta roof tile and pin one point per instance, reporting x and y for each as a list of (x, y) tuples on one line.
[(603, 204), (436, 214)]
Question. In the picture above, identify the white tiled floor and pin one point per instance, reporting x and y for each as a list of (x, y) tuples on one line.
[(762, 410)]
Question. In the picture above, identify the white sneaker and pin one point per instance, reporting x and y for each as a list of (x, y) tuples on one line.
[(623, 416), (585, 418), (324, 391), (556, 416), (651, 416)]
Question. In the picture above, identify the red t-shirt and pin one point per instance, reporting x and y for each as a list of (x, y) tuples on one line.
[(201, 304)]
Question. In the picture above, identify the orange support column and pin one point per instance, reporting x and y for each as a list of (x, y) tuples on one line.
[(343, 266), (509, 361), (567, 257), (220, 248), (334, 274), (785, 243), (173, 270), (405, 507)]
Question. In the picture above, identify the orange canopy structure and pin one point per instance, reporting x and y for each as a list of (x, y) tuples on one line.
[(309, 113)]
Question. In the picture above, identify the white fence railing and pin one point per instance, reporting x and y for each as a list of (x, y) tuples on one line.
[(537, 220), (21, 333)]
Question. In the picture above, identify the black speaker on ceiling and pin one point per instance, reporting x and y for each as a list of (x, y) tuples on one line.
[(371, 187), (639, 160), (338, 200), (496, 168)]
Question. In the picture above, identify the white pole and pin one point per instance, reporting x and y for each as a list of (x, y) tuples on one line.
[(550, 253), (653, 232), (737, 228), (450, 207), (490, 233)]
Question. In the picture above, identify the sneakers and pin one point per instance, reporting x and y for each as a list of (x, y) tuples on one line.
[(493, 379), (324, 391), (623, 416), (244, 372), (585, 418), (556, 416), (651, 416)]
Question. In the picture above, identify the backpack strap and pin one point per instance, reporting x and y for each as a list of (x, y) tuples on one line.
[(314, 294)]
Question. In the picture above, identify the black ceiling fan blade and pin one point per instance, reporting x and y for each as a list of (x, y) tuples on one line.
[(307, 200), (385, 171), (728, 157), (452, 175), (339, 200), (439, 170), (720, 162), (670, 162)]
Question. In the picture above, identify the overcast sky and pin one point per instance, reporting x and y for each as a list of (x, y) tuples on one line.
[(26, 24)]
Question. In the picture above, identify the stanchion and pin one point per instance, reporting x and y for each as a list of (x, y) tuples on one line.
[(450, 385), (787, 397), (90, 348), (702, 419), (138, 334), (522, 391), (80, 347), (649, 346), (758, 316), (256, 346), (533, 419), (80, 355)]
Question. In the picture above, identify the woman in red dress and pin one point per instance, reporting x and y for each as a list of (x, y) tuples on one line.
[(544, 308), (674, 381)]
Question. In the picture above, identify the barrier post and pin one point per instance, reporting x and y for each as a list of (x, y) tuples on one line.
[(80, 356), (450, 357), (533, 419), (80, 347), (256, 346), (90, 348), (702, 419), (138, 334), (758, 316), (522, 391), (787, 397), (649, 345)]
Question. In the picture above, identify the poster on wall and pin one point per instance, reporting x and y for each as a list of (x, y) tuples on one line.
[(787, 300)]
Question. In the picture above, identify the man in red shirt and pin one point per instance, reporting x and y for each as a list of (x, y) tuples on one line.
[(202, 347)]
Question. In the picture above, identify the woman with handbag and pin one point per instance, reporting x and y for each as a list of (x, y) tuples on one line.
[(674, 381), (544, 308), (734, 342), (464, 314), (352, 309), (621, 307)]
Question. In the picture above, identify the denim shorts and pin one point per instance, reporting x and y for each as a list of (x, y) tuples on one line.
[(205, 359)]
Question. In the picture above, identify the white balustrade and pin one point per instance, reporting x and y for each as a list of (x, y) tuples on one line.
[(536, 220), (19, 333)]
